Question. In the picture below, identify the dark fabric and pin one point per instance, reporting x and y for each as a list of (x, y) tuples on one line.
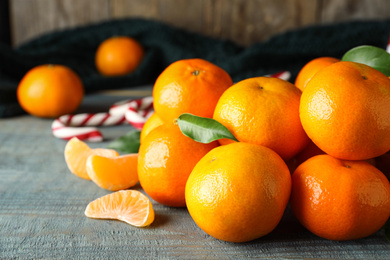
[(165, 44)]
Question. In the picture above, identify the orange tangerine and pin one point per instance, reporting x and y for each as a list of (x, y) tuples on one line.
[(311, 68), (238, 192), (339, 199), (345, 111), (263, 111), (153, 121), (118, 55)]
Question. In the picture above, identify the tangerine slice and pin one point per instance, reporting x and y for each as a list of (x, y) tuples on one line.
[(113, 173), (130, 206), (76, 155)]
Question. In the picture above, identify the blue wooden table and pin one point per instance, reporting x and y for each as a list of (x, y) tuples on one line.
[(42, 211)]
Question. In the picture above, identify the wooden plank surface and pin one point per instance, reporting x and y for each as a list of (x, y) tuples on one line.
[(42, 212), (242, 21)]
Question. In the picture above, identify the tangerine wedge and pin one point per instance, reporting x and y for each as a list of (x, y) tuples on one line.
[(76, 155), (130, 206), (113, 173)]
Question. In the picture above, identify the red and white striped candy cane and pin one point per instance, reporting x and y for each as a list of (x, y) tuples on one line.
[(62, 131), (388, 46), (68, 126), (136, 111), (286, 75), (83, 126), (92, 119)]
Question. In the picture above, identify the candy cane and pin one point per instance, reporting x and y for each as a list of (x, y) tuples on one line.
[(95, 119), (136, 111), (62, 131), (68, 126), (83, 126), (286, 75), (388, 46)]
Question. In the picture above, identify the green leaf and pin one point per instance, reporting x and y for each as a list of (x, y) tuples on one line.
[(202, 129), (128, 143), (370, 55)]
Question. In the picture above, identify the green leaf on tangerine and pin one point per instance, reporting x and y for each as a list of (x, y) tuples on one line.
[(372, 56), (202, 129)]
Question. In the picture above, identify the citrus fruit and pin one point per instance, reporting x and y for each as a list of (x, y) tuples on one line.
[(113, 173), (339, 199), (153, 121), (311, 68), (165, 160), (189, 86), (76, 155), (345, 110), (130, 206), (50, 91), (263, 111), (238, 192), (118, 55)]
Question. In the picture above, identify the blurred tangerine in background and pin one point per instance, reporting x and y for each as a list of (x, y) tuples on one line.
[(118, 56), (50, 91)]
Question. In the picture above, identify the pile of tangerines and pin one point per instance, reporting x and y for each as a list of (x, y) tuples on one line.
[(316, 144), (238, 191)]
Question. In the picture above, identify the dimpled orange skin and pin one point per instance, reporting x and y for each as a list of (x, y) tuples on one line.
[(189, 86), (345, 110), (165, 160), (263, 111), (238, 192), (340, 200), (311, 68)]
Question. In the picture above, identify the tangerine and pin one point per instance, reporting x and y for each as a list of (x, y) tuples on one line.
[(263, 111), (165, 160), (311, 68), (349, 104), (189, 86), (339, 199), (50, 91), (118, 55), (153, 121), (238, 192)]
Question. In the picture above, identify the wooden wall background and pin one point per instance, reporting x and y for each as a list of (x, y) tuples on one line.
[(243, 21)]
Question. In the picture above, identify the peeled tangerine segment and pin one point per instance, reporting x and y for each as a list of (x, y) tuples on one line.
[(76, 155), (113, 173), (130, 206)]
